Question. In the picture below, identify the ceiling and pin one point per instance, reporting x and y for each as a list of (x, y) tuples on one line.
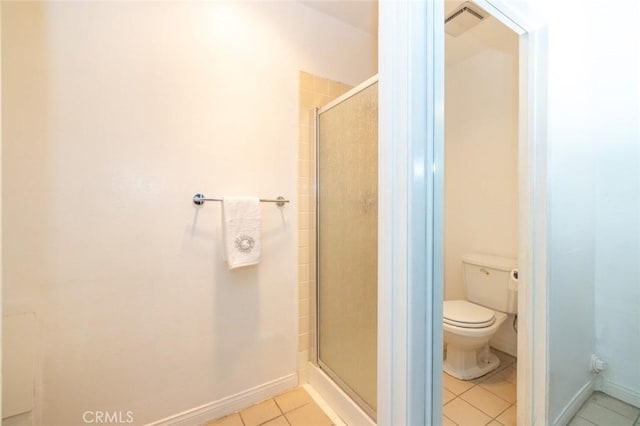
[(362, 14), (490, 34)]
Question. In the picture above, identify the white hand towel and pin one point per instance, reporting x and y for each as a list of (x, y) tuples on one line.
[(241, 227)]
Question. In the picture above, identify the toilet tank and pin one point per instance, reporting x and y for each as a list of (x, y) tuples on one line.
[(491, 281)]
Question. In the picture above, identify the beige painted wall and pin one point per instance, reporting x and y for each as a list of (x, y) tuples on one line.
[(114, 115), (481, 199), (481, 153)]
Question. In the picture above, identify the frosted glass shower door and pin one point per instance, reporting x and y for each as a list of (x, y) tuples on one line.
[(347, 244)]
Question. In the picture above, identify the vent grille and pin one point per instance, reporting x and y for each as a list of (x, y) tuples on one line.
[(462, 20), (461, 11)]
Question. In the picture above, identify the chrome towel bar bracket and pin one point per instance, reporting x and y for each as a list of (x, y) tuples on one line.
[(199, 200)]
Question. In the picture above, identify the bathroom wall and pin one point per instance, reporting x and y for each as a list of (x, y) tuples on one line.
[(617, 266), (616, 135), (571, 225), (593, 139), (481, 153), (114, 115)]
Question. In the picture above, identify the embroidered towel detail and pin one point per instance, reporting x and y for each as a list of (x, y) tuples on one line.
[(241, 230)]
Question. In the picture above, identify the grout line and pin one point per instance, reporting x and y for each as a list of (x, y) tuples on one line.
[(609, 409), (492, 418), (451, 400), (270, 420), (451, 420), (493, 393), (299, 406), (492, 374), (278, 405), (595, 402), (586, 420), (502, 412)]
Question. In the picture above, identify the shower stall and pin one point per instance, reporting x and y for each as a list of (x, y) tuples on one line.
[(345, 344)]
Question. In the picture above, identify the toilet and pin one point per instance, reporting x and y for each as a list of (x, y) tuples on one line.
[(492, 293)]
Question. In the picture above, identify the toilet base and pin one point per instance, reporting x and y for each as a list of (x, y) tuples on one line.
[(470, 363)]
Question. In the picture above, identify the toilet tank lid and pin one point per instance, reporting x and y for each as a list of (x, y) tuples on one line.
[(494, 262)]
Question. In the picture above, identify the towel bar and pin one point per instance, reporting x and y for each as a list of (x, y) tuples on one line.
[(199, 200)]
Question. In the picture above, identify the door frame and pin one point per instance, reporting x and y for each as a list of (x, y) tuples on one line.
[(411, 166)]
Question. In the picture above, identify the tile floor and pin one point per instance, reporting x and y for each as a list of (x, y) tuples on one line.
[(293, 408), (603, 410), (488, 400)]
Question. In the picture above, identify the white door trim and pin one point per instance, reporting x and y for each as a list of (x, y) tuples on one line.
[(532, 250), (411, 90), (1, 304), (410, 138)]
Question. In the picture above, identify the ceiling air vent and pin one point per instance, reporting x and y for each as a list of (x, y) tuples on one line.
[(463, 19)]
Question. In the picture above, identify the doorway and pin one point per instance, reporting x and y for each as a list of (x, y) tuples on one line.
[(480, 217), (411, 192)]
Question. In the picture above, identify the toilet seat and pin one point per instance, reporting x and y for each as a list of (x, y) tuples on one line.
[(464, 314)]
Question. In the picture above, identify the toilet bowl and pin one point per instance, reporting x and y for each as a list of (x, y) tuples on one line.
[(491, 286), (467, 338)]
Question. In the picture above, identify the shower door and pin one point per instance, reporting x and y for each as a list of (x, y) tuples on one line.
[(347, 242)]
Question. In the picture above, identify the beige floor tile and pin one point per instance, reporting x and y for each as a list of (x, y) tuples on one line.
[(293, 399), (616, 405), (499, 385), (507, 361), (260, 413), (456, 386), (485, 401), (509, 417), (447, 396), (510, 374), (481, 379), (278, 421), (446, 421), (603, 416), (495, 423), (464, 414), (230, 420), (308, 415)]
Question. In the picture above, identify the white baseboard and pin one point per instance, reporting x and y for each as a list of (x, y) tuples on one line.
[(339, 401), (505, 346), (624, 394), (231, 404), (574, 405), (25, 419)]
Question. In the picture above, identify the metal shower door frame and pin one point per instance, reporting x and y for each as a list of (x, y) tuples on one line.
[(315, 352)]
